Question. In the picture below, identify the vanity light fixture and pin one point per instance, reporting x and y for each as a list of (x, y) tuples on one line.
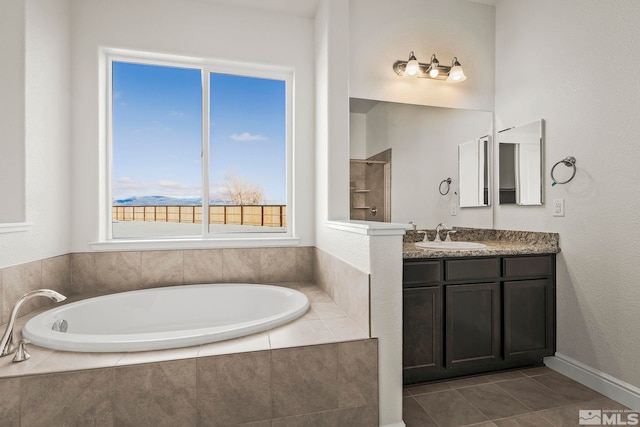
[(433, 70)]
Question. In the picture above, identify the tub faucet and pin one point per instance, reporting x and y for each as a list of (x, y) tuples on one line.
[(441, 226), (6, 344)]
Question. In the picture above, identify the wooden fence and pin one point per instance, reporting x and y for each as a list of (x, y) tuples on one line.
[(264, 215)]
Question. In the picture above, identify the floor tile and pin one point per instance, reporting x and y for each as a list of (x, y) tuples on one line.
[(541, 370), (427, 388), (560, 417), (504, 376), (492, 401), (533, 394), (535, 397), (468, 382), (567, 388), (525, 420), (414, 416), (450, 409)]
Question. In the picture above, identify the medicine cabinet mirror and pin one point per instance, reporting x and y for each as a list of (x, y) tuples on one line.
[(473, 172), (520, 164)]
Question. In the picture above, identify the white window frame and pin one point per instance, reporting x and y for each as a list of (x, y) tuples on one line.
[(206, 239)]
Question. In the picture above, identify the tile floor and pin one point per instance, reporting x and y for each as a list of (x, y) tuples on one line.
[(537, 397)]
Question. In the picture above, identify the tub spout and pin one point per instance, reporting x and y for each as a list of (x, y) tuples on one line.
[(6, 344)]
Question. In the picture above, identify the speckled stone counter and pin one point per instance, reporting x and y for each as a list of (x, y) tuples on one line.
[(499, 242)]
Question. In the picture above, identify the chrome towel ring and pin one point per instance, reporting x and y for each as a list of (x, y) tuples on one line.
[(445, 181), (569, 162)]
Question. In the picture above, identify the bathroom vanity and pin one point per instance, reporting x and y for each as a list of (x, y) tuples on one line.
[(474, 311)]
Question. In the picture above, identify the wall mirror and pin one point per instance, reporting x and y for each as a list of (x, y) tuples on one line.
[(473, 172), (520, 168), (424, 151)]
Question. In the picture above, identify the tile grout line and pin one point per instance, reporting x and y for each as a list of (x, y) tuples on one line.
[(425, 411), (473, 406), (515, 398)]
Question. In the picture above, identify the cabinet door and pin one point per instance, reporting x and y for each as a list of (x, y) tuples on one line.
[(529, 327), (472, 324), (422, 329)]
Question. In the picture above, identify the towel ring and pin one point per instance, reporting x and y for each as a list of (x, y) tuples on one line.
[(569, 162), (445, 181)]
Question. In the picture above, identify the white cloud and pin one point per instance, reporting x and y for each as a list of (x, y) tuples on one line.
[(178, 189), (124, 183), (246, 136)]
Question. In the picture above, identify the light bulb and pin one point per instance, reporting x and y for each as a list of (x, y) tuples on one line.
[(456, 75), (433, 69), (413, 66)]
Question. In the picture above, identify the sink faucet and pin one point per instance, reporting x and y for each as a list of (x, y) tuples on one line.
[(441, 226), (6, 344)]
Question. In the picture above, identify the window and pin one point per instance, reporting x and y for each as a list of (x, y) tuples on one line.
[(197, 150)]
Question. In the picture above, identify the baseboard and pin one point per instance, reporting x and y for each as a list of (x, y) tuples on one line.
[(605, 384), (400, 424)]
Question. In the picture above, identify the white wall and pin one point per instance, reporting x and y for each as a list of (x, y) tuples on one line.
[(357, 136), (46, 125), (593, 116), (191, 28), (12, 162), (382, 32), (424, 143)]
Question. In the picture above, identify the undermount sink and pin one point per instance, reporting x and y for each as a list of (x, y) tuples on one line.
[(450, 245)]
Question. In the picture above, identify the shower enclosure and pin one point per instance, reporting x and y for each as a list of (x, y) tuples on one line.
[(370, 187)]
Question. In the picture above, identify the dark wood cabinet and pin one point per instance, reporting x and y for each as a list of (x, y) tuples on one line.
[(529, 314), (465, 316), (472, 324), (422, 329)]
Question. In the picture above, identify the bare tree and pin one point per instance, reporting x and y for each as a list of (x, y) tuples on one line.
[(240, 191)]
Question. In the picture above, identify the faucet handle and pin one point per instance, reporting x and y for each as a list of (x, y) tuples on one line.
[(21, 354), (448, 238)]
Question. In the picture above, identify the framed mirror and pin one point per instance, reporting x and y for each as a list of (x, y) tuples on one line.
[(520, 164), (424, 151), (473, 172)]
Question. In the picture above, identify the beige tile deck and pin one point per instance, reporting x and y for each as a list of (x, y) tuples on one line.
[(324, 323)]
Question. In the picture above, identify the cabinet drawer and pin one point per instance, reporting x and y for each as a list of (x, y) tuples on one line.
[(528, 266), (472, 269), (419, 273)]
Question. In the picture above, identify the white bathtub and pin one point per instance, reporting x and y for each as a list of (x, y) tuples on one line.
[(162, 318)]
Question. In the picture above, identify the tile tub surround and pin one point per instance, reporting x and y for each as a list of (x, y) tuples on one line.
[(499, 242), (328, 384), (345, 284), (94, 273), (324, 323)]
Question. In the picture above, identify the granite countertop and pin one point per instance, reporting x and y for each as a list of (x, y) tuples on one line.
[(499, 242)]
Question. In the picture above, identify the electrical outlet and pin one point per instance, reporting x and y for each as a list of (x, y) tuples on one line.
[(453, 209), (558, 207)]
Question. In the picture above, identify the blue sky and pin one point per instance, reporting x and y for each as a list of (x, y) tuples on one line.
[(157, 132)]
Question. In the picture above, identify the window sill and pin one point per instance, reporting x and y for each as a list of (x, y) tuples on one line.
[(195, 243), (14, 227)]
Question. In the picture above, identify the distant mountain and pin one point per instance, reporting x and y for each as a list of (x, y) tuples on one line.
[(158, 201), (168, 201)]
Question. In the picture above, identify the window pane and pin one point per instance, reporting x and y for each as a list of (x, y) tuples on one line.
[(248, 154), (156, 151)]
